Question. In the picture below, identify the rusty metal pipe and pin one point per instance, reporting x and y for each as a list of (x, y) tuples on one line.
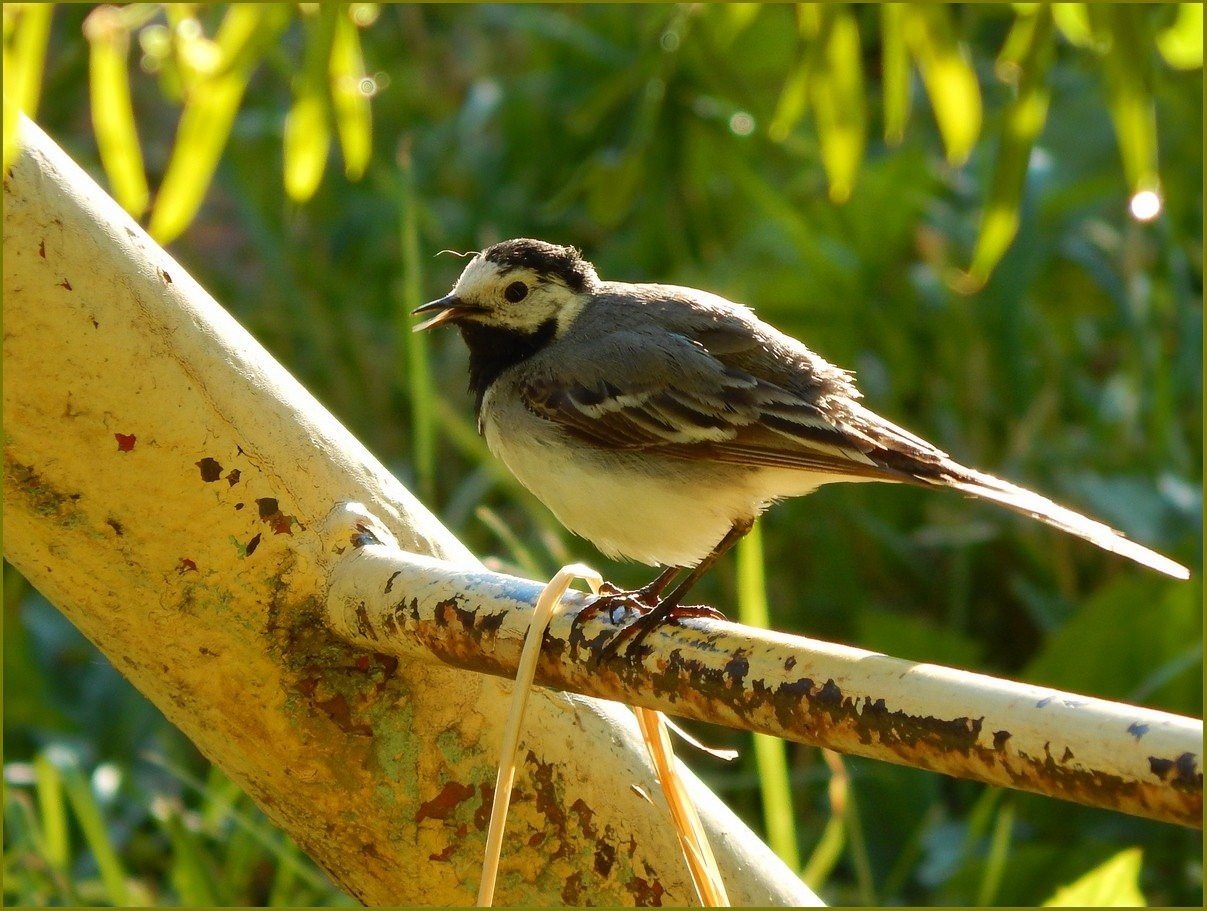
[(1016, 735)]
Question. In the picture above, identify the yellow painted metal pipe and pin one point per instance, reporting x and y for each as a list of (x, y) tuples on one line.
[(1016, 735)]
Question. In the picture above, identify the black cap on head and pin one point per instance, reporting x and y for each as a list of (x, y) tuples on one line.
[(548, 259)]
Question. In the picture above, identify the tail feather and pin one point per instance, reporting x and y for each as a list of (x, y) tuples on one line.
[(1027, 503)]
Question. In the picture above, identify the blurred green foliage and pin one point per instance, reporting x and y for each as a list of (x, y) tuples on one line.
[(706, 145)]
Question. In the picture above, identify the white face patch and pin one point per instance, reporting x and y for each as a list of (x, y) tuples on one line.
[(484, 283)]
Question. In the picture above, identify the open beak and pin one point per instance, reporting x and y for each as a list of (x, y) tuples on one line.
[(448, 309)]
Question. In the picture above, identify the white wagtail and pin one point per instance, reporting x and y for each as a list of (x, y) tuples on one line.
[(659, 421)]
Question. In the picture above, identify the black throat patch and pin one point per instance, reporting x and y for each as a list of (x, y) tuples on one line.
[(492, 350)]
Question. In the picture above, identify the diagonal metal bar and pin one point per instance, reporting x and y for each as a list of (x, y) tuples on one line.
[(1016, 735)]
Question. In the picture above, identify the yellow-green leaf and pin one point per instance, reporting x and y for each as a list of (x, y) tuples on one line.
[(1073, 20), (112, 110), (1031, 43), (1182, 43), (949, 78), (353, 117), (308, 123), (28, 40), (209, 112), (1126, 63), (836, 92), (1114, 883), (894, 62)]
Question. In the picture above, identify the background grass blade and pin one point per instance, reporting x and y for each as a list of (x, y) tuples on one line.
[(96, 835), (894, 63), (770, 753)]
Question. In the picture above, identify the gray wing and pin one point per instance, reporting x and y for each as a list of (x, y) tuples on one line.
[(714, 383)]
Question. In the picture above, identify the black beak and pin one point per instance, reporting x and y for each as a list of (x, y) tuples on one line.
[(448, 309)]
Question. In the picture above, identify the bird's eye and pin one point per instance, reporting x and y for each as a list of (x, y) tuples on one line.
[(516, 292)]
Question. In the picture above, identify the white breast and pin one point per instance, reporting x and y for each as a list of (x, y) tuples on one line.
[(655, 510)]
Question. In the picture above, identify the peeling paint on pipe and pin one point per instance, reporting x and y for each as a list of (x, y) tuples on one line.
[(1016, 735)]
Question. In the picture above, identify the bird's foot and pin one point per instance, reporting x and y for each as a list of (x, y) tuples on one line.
[(636, 630)]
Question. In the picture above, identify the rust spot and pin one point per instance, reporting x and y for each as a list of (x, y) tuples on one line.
[(65, 285), (363, 663), (646, 894), (1182, 773), (209, 653), (42, 248), (268, 507), (790, 663), (337, 709), (536, 838), (167, 279), (115, 525), (605, 856), (210, 469), (444, 804), (390, 581), (572, 891), (1066, 755), (95, 324), (737, 668), (363, 625), (232, 478), (125, 441), (253, 544), (1000, 738), (238, 506), (444, 855)]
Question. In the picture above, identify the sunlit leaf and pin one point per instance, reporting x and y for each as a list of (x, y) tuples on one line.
[(894, 62), (949, 78), (1073, 20), (1182, 43), (96, 833), (209, 112), (112, 110), (308, 124), (1030, 44), (1115, 883), (1127, 66), (353, 117), (26, 31), (837, 95)]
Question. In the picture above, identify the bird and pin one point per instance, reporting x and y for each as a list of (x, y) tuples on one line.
[(659, 421)]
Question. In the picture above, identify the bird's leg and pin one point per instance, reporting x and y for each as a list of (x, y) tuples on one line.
[(669, 608), (641, 599)]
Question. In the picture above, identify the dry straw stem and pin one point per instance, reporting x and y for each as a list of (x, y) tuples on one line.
[(1016, 735), (547, 604), (165, 486)]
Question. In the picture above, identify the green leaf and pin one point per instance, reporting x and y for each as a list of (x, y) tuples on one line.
[(308, 124), (112, 110), (1073, 20), (1126, 63), (1119, 637), (1030, 54), (190, 875), (837, 94), (1112, 884), (1182, 43), (209, 112), (353, 116), (894, 62), (56, 843), (949, 78), (28, 39)]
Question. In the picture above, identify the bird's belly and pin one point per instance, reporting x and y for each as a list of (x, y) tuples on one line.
[(628, 507)]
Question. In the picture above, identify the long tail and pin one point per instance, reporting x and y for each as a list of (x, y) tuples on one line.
[(1032, 504)]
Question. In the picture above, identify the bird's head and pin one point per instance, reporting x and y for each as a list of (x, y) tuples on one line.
[(517, 285)]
